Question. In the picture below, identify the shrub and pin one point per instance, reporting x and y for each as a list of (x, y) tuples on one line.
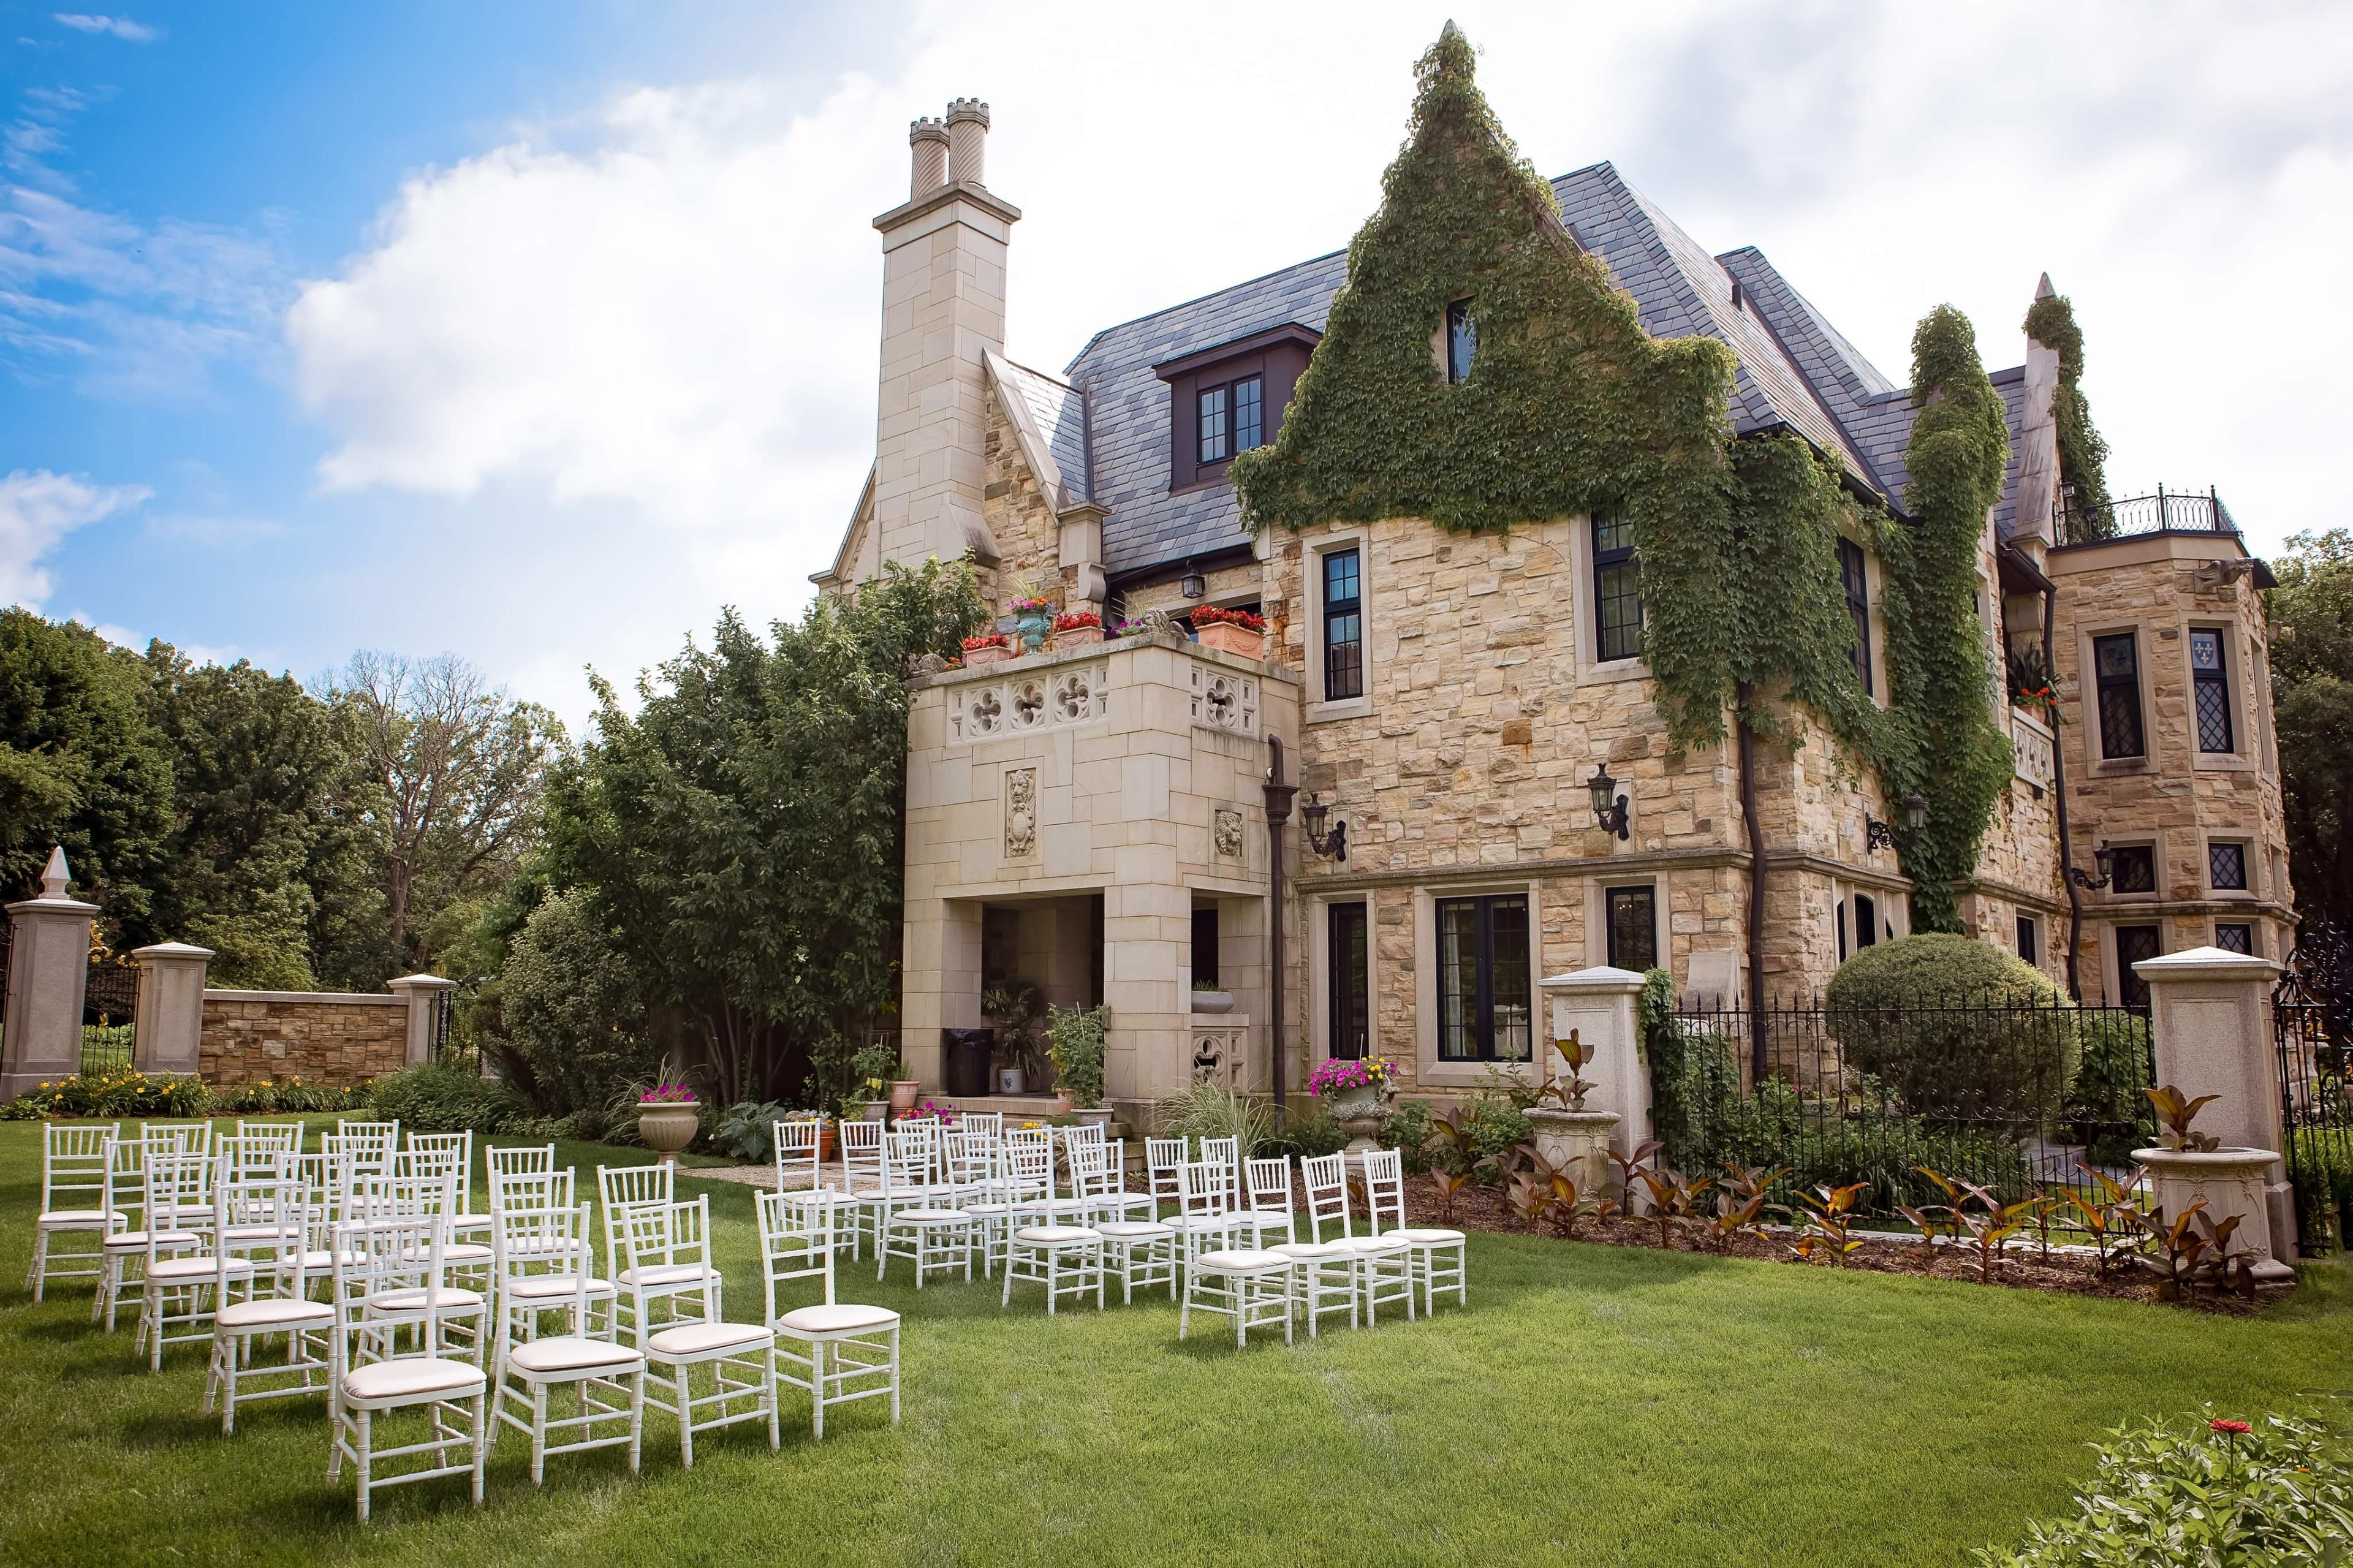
[(1213, 1111), (2274, 1492), (273, 1099), (437, 1096), (1309, 1133), (1074, 1043), (115, 1092), (1407, 1129), (748, 1129), (574, 1006), (1958, 1030)]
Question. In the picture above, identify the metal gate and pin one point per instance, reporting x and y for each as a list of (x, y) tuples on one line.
[(2312, 1022), (110, 1012)]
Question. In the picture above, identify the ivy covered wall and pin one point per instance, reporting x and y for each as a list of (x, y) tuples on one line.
[(2082, 452)]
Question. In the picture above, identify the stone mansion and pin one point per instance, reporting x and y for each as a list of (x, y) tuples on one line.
[(1485, 791)]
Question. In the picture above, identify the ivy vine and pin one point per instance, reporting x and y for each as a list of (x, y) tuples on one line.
[(2082, 451)]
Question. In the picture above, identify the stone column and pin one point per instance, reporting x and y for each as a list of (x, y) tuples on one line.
[(2210, 1021), (48, 966), (1603, 1005), (423, 994), (168, 1036)]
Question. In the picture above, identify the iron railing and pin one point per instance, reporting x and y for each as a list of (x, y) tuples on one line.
[(109, 1013), (2017, 1096), (2166, 511), (2312, 1024)]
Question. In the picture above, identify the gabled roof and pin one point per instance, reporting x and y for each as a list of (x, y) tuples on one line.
[(1051, 419), (1796, 370)]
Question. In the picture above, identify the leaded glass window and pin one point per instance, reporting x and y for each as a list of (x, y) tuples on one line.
[(1634, 928), (2226, 867), (1213, 425), (2234, 937), (1852, 577), (2135, 869), (1484, 1007), (1617, 591), (1246, 416), (2117, 660), (2135, 944), (1344, 626), (1350, 978), (2211, 692)]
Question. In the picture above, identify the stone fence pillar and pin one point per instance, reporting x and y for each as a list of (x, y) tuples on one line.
[(423, 994), (168, 1036), (2210, 1023), (1604, 1006), (48, 967)]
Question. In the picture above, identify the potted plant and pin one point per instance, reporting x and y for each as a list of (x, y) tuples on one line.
[(1353, 1092), (669, 1115), (1568, 1136), (988, 648), (1230, 631), (1208, 998), (874, 1067), (1015, 1005), (2195, 1173), (1078, 630), (1074, 1042), (1032, 620)]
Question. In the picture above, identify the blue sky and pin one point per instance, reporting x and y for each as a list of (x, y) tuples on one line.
[(535, 332)]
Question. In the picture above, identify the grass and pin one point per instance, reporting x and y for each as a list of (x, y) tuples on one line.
[(1595, 1404)]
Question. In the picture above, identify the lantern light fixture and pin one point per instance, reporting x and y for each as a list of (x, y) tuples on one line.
[(1609, 808)]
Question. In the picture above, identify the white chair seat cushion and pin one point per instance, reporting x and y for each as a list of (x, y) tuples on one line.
[(279, 1312), (1388, 1241), (1241, 1260), (988, 1211), (448, 1298), (1265, 1217), (553, 1287), (58, 1219), (1132, 1230), (1430, 1235), (710, 1339), (669, 1274), (467, 1224), (136, 1240), (926, 1216), (1056, 1235), (246, 1235), (464, 1254), (413, 1377), (171, 1271), (572, 1352), (839, 1318), (1313, 1251), (1201, 1224)]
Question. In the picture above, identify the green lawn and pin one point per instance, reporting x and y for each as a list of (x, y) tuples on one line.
[(1594, 1405)]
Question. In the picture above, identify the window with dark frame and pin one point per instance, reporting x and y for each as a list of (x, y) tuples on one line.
[(1866, 920), (1617, 592), (2226, 867), (2117, 660), (1485, 1013), (1246, 414), (1841, 930), (2029, 941), (1857, 584), (1633, 927), (1212, 404), (2134, 868), (2235, 937), (1350, 978), (2135, 944), (1462, 340), (2211, 692), (1344, 626), (1232, 418)]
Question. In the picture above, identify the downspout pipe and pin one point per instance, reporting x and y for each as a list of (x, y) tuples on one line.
[(1279, 796), (2058, 790)]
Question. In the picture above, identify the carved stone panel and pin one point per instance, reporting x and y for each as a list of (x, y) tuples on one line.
[(1224, 700), (1226, 832), (1020, 812)]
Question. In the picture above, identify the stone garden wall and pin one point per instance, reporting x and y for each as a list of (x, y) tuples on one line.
[(322, 1038)]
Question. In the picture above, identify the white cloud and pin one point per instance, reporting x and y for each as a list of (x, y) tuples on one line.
[(37, 509), (122, 27)]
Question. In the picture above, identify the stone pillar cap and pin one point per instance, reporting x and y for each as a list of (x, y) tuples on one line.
[(171, 950), (420, 983), (1601, 977), (59, 906), (2205, 964)]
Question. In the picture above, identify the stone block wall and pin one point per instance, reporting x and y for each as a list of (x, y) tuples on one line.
[(1021, 518), (322, 1038)]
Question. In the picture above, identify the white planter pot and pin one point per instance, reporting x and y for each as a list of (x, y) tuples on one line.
[(1213, 1001), (1011, 1081), (1576, 1142), (2228, 1182)]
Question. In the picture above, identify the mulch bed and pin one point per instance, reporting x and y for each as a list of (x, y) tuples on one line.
[(2024, 1266)]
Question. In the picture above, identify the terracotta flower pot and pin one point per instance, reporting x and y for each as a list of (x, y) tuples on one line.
[(976, 657), (667, 1129), (1228, 637), (1078, 637), (903, 1094), (1062, 1104), (825, 1143)]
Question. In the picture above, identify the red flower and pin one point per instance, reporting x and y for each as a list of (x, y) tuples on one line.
[(1077, 620), (2235, 1428), (1211, 614), (986, 639)]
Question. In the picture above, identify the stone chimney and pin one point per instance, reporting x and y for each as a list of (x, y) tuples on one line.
[(929, 138), (943, 309), (2034, 526)]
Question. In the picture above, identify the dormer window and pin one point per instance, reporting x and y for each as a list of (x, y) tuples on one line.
[(1462, 340), (1227, 400), (1229, 418)]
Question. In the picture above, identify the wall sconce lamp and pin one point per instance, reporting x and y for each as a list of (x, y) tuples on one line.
[(1332, 846), (1193, 584), (1610, 810), (1878, 836), (2107, 860)]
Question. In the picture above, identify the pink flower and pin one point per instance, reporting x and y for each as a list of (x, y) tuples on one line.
[(2235, 1428)]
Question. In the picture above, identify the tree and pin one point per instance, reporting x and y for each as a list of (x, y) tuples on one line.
[(573, 1008), (741, 834), (2311, 617), (80, 765), (456, 768)]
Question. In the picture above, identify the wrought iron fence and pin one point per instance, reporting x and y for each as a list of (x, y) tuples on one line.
[(109, 1013), (2019, 1096), (2166, 511), (2312, 1024)]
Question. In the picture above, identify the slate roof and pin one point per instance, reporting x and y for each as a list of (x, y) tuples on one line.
[(1057, 412), (1796, 370)]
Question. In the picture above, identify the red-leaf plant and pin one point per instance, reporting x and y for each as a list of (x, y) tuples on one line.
[(1830, 1223), (1672, 1197)]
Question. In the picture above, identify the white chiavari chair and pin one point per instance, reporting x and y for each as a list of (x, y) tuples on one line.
[(1267, 1185), (1438, 1252), (862, 1179), (1384, 1270), (457, 1149), (178, 1287), (517, 1159), (1140, 1251), (988, 1123), (743, 1362), (851, 1354), (1046, 1246), (1226, 1152), (1325, 1268), (126, 1251), (917, 1223), (555, 1271), (377, 1260), (458, 1313), (1024, 1194), (666, 1265), (270, 1221), (287, 1135), (797, 1239), (1161, 1158), (76, 1201), (1250, 1285), (188, 1137), (370, 1144), (1204, 1218), (799, 1144), (617, 1186)]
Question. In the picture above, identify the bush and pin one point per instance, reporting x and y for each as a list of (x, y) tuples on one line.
[(2278, 1494), (1074, 1043), (574, 1007), (1213, 1111), (437, 1096), (2107, 1111), (1958, 1030), (291, 1097), (115, 1092), (747, 1129), (1405, 1129), (1309, 1134)]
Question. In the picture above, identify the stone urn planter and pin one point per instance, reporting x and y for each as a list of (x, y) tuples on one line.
[(876, 1109), (2228, 1182), (667, 1129), (1227, 638), (1032, 628), (903, 1091), (1094, 1115), (1358, 1112), (1212, 1001), (1576, 1142)]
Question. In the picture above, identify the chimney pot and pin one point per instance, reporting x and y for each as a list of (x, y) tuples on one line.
[(929, 138), (968, 136)]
